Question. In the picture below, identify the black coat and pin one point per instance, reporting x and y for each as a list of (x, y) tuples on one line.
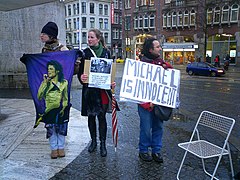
[(91, 98)]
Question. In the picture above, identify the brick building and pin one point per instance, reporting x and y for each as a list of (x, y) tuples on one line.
[(187, 29)]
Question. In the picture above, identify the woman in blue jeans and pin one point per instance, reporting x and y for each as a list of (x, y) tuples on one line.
[(151, 127)]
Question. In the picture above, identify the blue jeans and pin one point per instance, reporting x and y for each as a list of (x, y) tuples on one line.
[(151, 131), (56, 140)]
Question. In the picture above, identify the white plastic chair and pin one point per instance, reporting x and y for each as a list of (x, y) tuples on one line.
[(204, 149)]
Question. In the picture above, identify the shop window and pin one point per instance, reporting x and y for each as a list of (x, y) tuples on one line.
[(174, 19), (164, 20), (234, 13), (192, 18), (152, 21), (180, 19), (225, 14), (169, 20), (209, 16), (186, 18), (216, 15), (100, 9)]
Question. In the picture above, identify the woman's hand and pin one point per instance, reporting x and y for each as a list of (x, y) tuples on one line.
[(113, 85), (84, 77)]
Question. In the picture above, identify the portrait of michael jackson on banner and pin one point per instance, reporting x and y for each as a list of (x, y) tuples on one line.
[(50, 77)]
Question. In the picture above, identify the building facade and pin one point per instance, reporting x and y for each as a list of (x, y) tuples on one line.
[(82, 15), (187, 29)]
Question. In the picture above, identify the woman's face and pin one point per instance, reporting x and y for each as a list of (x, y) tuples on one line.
[(92, 39), (44, 37)]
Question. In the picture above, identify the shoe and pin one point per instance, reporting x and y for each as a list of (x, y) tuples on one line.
[(54, 154), (61, 153), (103, 150), (92, 146), (145, 157), (157, 157)]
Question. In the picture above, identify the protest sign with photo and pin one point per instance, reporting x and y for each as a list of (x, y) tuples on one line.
[(145, 82)]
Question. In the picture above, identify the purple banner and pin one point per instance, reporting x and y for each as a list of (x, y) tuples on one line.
[(50, 77)]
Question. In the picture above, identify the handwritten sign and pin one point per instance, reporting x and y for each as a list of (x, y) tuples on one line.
[(145, 82)]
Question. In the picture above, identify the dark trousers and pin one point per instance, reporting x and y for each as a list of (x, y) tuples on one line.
[(102, 126)]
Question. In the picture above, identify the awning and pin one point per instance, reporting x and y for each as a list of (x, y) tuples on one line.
[(177, 46)]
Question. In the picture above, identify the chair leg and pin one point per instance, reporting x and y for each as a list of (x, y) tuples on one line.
[(230, 160), (179, 170), (204, 168)]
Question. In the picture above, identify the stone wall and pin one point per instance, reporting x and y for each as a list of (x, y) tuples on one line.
[(19, 34)]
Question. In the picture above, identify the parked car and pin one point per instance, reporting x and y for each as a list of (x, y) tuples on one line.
[(119, 60), (203, 68)]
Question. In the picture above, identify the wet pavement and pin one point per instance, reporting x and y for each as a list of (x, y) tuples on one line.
[(220, 95)]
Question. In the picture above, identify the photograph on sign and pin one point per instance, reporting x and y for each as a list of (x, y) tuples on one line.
[(145, 82), (100, 73)]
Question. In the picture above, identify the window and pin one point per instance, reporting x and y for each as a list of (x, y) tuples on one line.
[(164, 20), (120, 19), (135, 22), (75, 38), (105, 23), (120, 34), (128, 23), (140, 22), (106, 10), (100, 9), (69, 23), (145, 25), (192, 18), (106, 37), (169, 20), (84, 22), (84, 8), (216, 15), (127, 4), (92, 8), (115, 34), (74, 23), (101, 23), (234, 13), (66, 27), (151, 2), (84, 37), (152, 21), (78, 23), (74, 9), (174, 19), (209, 16), (115, 4), (69, 10), (92, 22), (186, 18), (120, 4), (77, 8), (180, 19), (225, 14), (116, 18)]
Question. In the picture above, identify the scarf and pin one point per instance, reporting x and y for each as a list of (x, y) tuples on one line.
[(97, 49)]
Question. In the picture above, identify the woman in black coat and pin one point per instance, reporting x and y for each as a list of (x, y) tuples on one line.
[(95, 101)]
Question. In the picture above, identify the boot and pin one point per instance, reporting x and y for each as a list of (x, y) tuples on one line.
[(92, 146), (93, 133), (103, 150)]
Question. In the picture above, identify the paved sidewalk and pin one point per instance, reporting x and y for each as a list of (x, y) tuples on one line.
[(25, 152)]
